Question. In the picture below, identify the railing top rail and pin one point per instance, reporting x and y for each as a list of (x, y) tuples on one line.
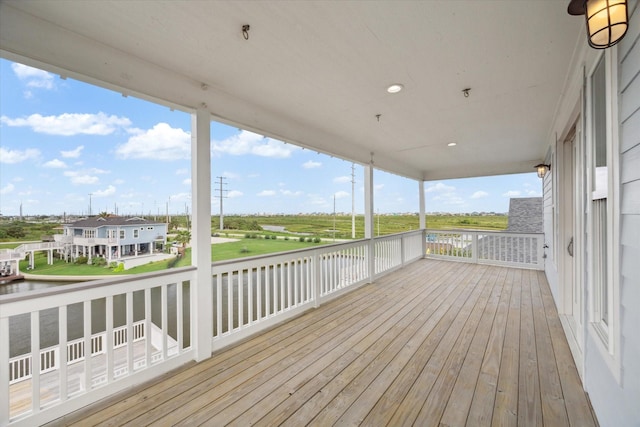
[(477, 231), (93, 284), (301, 252)]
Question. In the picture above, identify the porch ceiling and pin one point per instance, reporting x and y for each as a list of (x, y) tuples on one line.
[(315, 73)]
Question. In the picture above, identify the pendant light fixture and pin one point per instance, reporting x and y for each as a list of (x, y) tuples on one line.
[(607, 20)]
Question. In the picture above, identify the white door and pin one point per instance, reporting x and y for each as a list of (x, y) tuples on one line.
[(569, 185)]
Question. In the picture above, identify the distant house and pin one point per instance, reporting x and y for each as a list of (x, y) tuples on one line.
[(113, 237)]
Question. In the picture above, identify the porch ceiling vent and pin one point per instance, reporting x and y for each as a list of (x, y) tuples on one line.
[(607, 20)]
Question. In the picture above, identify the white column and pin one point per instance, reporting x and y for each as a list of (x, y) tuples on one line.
[(423, 218), (201, 289), (368, 201), (368, 217)]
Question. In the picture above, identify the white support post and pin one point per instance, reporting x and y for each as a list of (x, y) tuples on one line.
[(5, 405), (201, 290), (368, 217), (423, 217)]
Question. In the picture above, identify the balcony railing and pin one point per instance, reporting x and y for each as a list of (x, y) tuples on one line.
[(487, 247), (157, 310), (248, 295)]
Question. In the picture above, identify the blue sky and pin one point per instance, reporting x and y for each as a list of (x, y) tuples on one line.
[(62, 140)]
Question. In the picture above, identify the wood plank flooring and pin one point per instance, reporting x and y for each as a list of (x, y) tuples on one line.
[(435, 344)]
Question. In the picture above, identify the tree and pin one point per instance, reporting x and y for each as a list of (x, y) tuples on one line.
[(16, 231), (183, 237)]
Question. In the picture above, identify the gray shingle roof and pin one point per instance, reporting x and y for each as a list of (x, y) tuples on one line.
[(526, 215), (95, 222)]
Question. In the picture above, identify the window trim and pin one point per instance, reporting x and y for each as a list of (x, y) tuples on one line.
[(605, 336)]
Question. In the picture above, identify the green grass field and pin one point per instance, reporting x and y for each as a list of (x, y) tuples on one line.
[(323, 225), (223, 251), (314, 225)]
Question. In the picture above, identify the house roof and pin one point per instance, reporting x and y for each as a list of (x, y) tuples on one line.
[(96, 222), (526, 215), (315, 73)]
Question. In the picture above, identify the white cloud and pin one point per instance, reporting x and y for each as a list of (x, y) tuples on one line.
[(311, 164), (180, 197), (72, 154), (251, 143), (55, 164), (342, 179), (7, 188), (183, 171), (186, 181), (109, 191), (439, 187), (266, 193), (291, 193), (479, 194), (341, 194), (85, 176), (317, 200), (233, 194), (533, 193), (162, 142), (230, 175), (512, 193), (378, 187), (69, 124), (118, 181), (18, 179), (17, 156), (33, 76)]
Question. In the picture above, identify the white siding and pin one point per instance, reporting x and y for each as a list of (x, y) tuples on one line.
[(617, 404), (549, 214)]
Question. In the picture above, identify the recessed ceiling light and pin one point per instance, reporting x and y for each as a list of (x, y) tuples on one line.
[(451, 144), (395, 88)]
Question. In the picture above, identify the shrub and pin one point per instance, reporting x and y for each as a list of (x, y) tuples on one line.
[(254, 236), (286, 237), (274, 237), (81, 260), (113, 265), (244, 250), (316, 240), (99, 261), (119, 268), (309, 240), (301, 239), (247, 236)]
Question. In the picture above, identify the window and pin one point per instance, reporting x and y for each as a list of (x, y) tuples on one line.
[(135, 233), (602, 161), (122, 234)]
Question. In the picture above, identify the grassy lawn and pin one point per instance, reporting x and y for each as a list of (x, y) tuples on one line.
[(223, 251), (314, 225), (322, 225)]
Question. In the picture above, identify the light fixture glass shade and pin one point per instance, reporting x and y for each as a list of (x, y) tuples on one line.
[(607, 22), (542, 169)]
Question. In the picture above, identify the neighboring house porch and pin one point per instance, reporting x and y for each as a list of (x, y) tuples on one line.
[(112, 238)]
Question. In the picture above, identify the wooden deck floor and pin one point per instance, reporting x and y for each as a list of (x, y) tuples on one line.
[(437, 343)]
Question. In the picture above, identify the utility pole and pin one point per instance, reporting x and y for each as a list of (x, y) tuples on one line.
[(221, 196), (353, 200), (334, 217)]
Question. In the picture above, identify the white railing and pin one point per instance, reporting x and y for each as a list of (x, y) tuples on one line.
[(248, 295), (34, 378), (523, 250), (254, 293)]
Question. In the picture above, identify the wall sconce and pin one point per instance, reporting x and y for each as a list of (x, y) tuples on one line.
[(607, 20), (542, 169)]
